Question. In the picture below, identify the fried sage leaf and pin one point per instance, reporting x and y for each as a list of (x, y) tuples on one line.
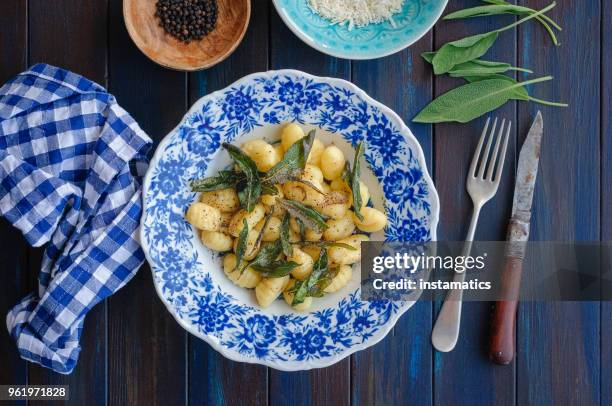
[(242, 244), (267, 254), (293, 161), (284, 236), (250, 189), (309, 216), (355, 175), (222, 180), (276, 269), (326, 244), (304, 288)]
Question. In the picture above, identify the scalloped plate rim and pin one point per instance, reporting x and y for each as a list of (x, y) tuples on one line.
[(347, 54), (305, 364)]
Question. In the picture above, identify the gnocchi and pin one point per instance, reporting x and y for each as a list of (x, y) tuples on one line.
[(249, 278), (373, 220), (204, 217), (318, 184), (332, 162), (216, 241), (225, 200), (268, 289), (252, 218), (343, 276), (264, 154)]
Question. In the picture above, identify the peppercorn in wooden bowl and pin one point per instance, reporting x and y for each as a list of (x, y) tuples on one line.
[(187, 35)]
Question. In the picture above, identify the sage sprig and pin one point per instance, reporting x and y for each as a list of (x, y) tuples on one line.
[(497, 7), (473, 47), (474, 99), (477, 67), (309, 216)]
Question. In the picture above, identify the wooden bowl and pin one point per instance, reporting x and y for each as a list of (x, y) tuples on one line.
[(142, 25)]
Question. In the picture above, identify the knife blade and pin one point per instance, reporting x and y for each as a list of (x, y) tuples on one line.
[(528, 162), (503, 326)]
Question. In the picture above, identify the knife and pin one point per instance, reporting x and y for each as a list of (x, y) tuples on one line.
[(504, 315)]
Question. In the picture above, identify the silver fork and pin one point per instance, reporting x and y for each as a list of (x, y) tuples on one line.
[(481, 189)]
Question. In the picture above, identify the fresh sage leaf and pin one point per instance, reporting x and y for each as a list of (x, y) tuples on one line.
[(462, 50), (293, 161), (472, 100), (355, 175), (242, 244), (520, 93), (309, 216), (469, 48), (498, 7), (276, 269), (305, 287), (250, 189), (222, 180), (284, 236), (477, 67)]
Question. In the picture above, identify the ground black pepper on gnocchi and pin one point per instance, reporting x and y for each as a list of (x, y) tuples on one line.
[(291, 217)]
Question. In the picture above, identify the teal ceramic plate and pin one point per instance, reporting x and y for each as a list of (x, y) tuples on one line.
[(368, 42)]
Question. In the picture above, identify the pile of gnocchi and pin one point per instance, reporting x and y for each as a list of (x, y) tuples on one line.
[(307, 222)]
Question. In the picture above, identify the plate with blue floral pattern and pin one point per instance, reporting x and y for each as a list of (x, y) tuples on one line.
[(189, 278), (414, 20)]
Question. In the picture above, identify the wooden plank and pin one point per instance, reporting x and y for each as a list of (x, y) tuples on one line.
[(403, 359), (559, 343), (454, 145), (329, 385), (606, 197), (72, 34), (147, 348), (213, 379), (13, 255)]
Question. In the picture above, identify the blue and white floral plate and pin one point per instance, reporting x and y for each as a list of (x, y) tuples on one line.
[(188, 277), (413, 21)]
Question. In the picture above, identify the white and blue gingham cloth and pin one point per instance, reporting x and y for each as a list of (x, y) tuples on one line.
[(71, 165)]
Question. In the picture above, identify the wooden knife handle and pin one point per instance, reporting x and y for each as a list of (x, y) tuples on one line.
[(503, 324)]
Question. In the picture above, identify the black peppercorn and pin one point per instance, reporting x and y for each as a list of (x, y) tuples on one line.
[(187, 20)]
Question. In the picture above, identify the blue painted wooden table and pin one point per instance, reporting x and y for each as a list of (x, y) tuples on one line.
[(135, 353)]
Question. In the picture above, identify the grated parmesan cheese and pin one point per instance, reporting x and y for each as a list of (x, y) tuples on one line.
[(356, 13)]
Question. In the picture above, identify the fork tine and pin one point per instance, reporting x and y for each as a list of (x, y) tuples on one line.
[(498, 139), (485, 156), (500, 168), (478, 148)]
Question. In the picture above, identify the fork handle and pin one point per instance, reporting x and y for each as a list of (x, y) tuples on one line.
[(503, 324), (445, 332)]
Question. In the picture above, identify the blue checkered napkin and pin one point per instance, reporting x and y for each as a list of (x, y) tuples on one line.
[(71, 162)]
